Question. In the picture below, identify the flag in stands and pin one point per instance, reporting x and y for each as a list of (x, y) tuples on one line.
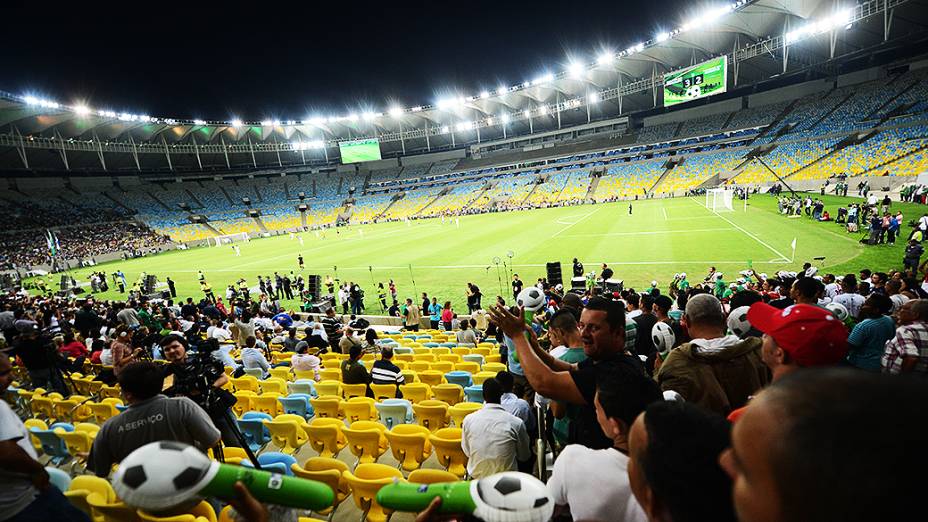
[(52, 240)]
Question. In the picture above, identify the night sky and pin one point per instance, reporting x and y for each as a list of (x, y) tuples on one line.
[(262, 60)]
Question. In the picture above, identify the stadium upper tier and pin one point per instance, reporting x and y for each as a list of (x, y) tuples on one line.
[(874, 128)]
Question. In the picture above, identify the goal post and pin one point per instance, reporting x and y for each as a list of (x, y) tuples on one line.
[(719, 200), (228, 239)]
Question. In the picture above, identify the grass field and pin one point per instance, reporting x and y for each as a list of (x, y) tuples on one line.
[(660, 238)]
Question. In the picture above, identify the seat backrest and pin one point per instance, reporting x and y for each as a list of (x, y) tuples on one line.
[(391, 414)]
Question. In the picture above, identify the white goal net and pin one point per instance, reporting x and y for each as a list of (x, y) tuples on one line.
[(719, 200), (228, 239)]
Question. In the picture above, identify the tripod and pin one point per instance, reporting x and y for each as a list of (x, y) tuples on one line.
[(240, 438)]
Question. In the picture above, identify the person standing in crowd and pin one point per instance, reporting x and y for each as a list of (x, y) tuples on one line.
[(673, 464), (907, 352), (515, 405), (564, 335), (868, 338), (849, 298), (27, 493), (411, 316), (447, 315), (799, 451), (594, 483), (714, 370), (434, 311), (578, 268), (516, 286), (493, 439)]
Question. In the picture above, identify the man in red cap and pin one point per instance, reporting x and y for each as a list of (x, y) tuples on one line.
[(800, 336)]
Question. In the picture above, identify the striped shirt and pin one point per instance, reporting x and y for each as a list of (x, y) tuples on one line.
[(911, 340), (385, 372)]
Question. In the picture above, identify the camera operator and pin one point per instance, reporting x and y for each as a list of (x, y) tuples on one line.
[(150, 417), (200, 377), (40, 358)]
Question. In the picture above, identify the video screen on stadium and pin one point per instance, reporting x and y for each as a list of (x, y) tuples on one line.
[(704, 79), (357, 151)]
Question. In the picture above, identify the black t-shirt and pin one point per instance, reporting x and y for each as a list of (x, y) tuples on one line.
[(607, 273), (578, 269), (516, 287), (644, 345), (585, 429)]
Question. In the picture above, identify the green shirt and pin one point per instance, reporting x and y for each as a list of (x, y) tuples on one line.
[(561, 427)]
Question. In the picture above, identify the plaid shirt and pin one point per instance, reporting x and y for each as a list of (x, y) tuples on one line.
[(911, 340)]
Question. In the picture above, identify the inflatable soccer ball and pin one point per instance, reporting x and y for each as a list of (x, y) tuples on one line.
[(738, 321), (631, 334), (663, 336), (162, 475), (513, 497), (532, 299), (693, 91), (839, 310)]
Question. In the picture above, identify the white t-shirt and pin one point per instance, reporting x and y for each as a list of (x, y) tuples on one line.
[(852, 302), (633, 314), (898, 300), (595, 485), (832, 290), (16, 490)]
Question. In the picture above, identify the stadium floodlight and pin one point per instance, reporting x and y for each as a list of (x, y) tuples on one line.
[(352, 117), (484, 94), (445, 129), (368, 116), (605, 58), (445, 103), (317, 144), (236, 122), (144, 117), (545, 78), (839, 19), (502, 89), (662, 37), (417, 108), (317, 120), (170, 121), (593, 97), (199, 122), (275, 123), (396, 112), (489, 121), (542, 110), (125, 116), (266, 123), (82, 110), (527, 113), (576, 70), (504, 118), (463, 126), (31, 100)]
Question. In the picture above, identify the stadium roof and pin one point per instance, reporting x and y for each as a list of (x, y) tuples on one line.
[(762, 39)]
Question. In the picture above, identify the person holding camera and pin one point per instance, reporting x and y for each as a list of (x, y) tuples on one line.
[(39, 356), (150, 417), (200, 378)]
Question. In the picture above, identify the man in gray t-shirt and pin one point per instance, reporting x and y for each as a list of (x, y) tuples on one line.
[(150, 417)]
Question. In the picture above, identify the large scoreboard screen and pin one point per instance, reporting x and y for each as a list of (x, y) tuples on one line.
[(357, 151), (700, 80)]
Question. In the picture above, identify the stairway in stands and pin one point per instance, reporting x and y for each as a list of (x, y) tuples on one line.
[(660, 179), (591, 192), (260, 223)]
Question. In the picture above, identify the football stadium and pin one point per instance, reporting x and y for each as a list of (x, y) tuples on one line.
[(678, 276)]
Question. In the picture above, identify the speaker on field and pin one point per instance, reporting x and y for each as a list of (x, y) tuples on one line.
[(314, 284), (554, 273), (148, 286), (578, 283), (65, 283)]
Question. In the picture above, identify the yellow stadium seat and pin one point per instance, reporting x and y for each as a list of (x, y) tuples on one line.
[(359, 409), (243, 402), (202, 512), (461, 410), (329, 472), (384, 391), (431, 414), (307, 374), (112, 510), (326, 437), (273, 385), (110, 392), (420, 366), (453, 358), (327, 406), (329, 387), (288, 432), (492, 358), (441, 350), (433, 377), (479, 377), (104, 410), (330, 374), (410, 445), (79, 441), (442, 367), (448, 393), (366, 440), (467, 366), (365, 482), (494, 367), (73, 409), (245, 383), (280, 372), (416, 392), (425, 355), (354, 390), (447, 445), (461, 350), (83, 486), (410, 375), (431, 476), (267, 403)]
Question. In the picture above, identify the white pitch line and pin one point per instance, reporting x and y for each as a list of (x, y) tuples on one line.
[(750, 235), (650, 233), (528, 265), (585, 216), (664, 210)]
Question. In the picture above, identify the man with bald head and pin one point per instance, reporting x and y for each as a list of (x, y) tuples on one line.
[(907, 352), (714, 370)]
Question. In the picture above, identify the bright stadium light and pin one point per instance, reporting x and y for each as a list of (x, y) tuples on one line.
[(837, 20), (489, 121), (545, 78), (317, 120), (662, 37), (542, 110), (31, 100), (275, 123), (199, 122), (605, 58), (144, 117), (417, 108), (504, 118), (445, 130), (396, 112), (463, 126), (236, 123), (82, 110), (502, 89), (576, 70), (526, 113), (368, 116), (317, 144), (484, 95), (593, 97), (266, 123), (352, 117)]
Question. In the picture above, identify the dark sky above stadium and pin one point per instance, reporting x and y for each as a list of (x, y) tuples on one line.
[(259, 60)]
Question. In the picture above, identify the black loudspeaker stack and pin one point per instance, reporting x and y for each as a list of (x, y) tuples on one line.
[(554, 273), (65, 283), (314, 284), (148, 286)]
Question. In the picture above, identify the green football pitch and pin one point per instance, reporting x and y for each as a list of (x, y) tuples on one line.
[(659, 238)]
